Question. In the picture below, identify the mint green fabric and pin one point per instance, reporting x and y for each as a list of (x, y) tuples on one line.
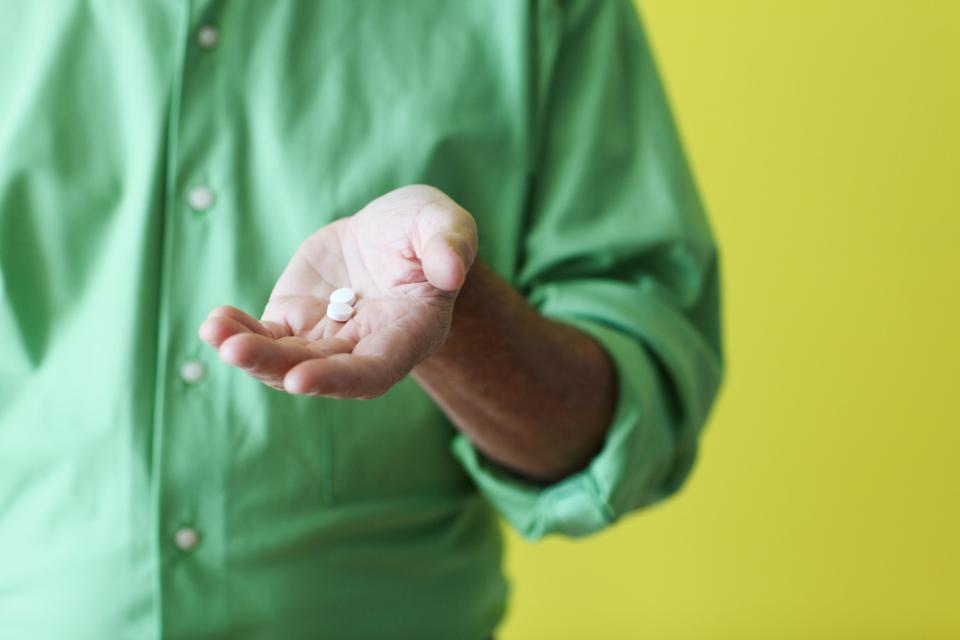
[(316, 517)]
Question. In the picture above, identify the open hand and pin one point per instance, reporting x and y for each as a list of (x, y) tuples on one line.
[(406, 254)]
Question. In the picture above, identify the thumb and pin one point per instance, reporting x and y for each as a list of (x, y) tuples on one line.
[(446, 258)]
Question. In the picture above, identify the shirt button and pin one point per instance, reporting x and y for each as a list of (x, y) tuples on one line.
[(200, 198), (186, 538), (208, 36), (192, 371)]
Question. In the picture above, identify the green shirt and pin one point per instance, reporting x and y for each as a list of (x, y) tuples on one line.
[(160, 158)]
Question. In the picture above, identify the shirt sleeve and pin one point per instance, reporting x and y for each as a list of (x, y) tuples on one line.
[(618, 245)]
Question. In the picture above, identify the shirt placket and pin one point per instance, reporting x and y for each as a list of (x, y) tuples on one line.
[(188, 471)]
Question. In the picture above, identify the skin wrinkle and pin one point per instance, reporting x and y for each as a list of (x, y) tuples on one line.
[(358, 252), (319, 263)]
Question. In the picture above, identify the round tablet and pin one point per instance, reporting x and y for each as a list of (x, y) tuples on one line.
[(345, 295), (339, 311)]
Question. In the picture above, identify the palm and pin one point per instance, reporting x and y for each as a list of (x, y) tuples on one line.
[(405, 254)]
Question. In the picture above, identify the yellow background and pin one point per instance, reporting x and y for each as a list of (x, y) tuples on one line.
[(826, 501)]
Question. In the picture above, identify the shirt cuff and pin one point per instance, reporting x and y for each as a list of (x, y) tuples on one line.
[(628, 472)]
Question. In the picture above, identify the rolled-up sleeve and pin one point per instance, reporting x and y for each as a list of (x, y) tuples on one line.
[(618, 245)]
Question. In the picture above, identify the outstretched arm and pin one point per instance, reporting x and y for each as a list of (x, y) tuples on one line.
[(534, 394)]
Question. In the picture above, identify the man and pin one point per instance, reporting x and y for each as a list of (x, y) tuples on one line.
[(535, 334)]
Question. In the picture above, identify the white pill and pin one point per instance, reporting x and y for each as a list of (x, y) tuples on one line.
[(345, 295), (339, 311)]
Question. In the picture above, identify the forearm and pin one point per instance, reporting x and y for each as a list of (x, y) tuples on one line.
[(533, 394)]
